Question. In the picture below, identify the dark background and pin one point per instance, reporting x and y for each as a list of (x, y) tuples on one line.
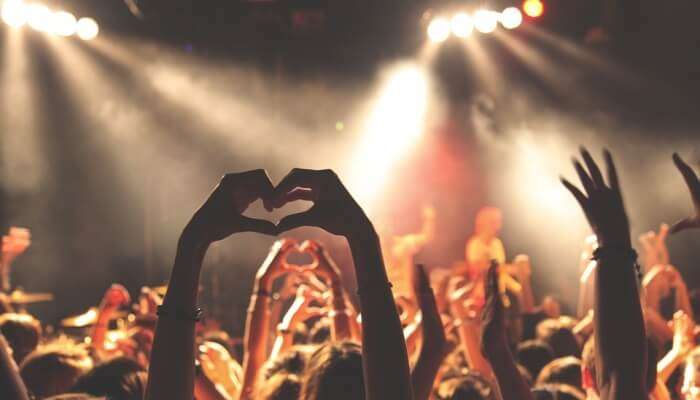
[(109, 209)]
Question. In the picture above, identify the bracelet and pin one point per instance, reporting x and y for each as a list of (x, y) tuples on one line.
[(626, 254), (180, 315)]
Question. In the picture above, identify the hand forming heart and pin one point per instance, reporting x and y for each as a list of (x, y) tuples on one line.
[(221, 215)]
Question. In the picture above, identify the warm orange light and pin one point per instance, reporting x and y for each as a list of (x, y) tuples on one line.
[(533, 8)]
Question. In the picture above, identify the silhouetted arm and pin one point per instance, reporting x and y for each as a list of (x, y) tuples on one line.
[(11, 384), (385, 361), (171, 370), (619, 324)]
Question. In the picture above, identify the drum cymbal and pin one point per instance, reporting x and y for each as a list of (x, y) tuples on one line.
[(20, 297), (88, 318)]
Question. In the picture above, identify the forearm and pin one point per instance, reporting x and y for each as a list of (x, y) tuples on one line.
[(256, 335), (171, 371), (11, 384), (429, 360), (340, 314), (383, 347), (619, 330), (510, 381), (668, 364), (469, 333)]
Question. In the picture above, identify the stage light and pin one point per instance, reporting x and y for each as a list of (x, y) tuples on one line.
[(14, 13), (511, 18), (462, 25), (485, 21), (87, 28), (63, 23), (533, 8), (39, 17), (439, 30)]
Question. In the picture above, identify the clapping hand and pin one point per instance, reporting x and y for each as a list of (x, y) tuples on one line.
[(691, 179)]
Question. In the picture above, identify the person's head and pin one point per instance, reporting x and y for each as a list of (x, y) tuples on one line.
[(334, 372), (119, 378), (489, 221), (565, 370), (534, 355), (22, 332), (290, 362), (557, 391), (74, 396), (588, 371), (560, 338), (54, 368), (280, 387), (471, 386), (551, 307)]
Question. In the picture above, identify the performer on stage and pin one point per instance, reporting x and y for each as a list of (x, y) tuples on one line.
[(12, 246), (399, 251)]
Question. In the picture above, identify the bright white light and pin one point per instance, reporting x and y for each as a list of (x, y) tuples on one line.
[(439, 30), (511, 18), (395, 123), (14, 13), (39, 17), (87, 28), (63, 23), (462, 25), (485, 21)]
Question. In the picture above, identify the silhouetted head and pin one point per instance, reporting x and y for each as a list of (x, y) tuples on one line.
[(565, 370), (534, 355), (54, 368), (557, 391), (560, 338), (22, 332), (119, 378), (280, 387), (334, 372), (471, 386)]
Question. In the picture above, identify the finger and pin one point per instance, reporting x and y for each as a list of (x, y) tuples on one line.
[(421, 283), (296, 221), (248, 224), (612, 171), (299, 194), (596, 176), (257, 182), (691, 179), (688, 223), (297, 178), (492, 282), (586, 180), (578, 195)]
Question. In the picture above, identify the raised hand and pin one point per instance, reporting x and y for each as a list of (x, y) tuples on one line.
[(274, 266), (221, 215), (334, 209), (691, 179), (602, 203), (325, 266), (493, 330), (116, 296)]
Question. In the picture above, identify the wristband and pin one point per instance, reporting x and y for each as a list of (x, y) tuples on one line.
[(626, 254), (180, 315)]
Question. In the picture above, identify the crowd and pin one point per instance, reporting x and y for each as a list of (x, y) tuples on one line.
[(475, 331)]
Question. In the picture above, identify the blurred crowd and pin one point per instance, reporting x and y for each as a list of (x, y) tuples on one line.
[(476, 330)]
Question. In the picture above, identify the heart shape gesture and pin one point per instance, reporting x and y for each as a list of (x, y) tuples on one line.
[(334, 209), (291, 260)]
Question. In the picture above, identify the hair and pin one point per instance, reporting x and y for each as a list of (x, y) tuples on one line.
[(470, 386), (281, 386), (334, 372), (485, 217), (560, 338), (320, 332), (22, 332), (54, 367), (534, 355), (292, 361), (558, 391), (588, 361), (562, 370), (119, 378)]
